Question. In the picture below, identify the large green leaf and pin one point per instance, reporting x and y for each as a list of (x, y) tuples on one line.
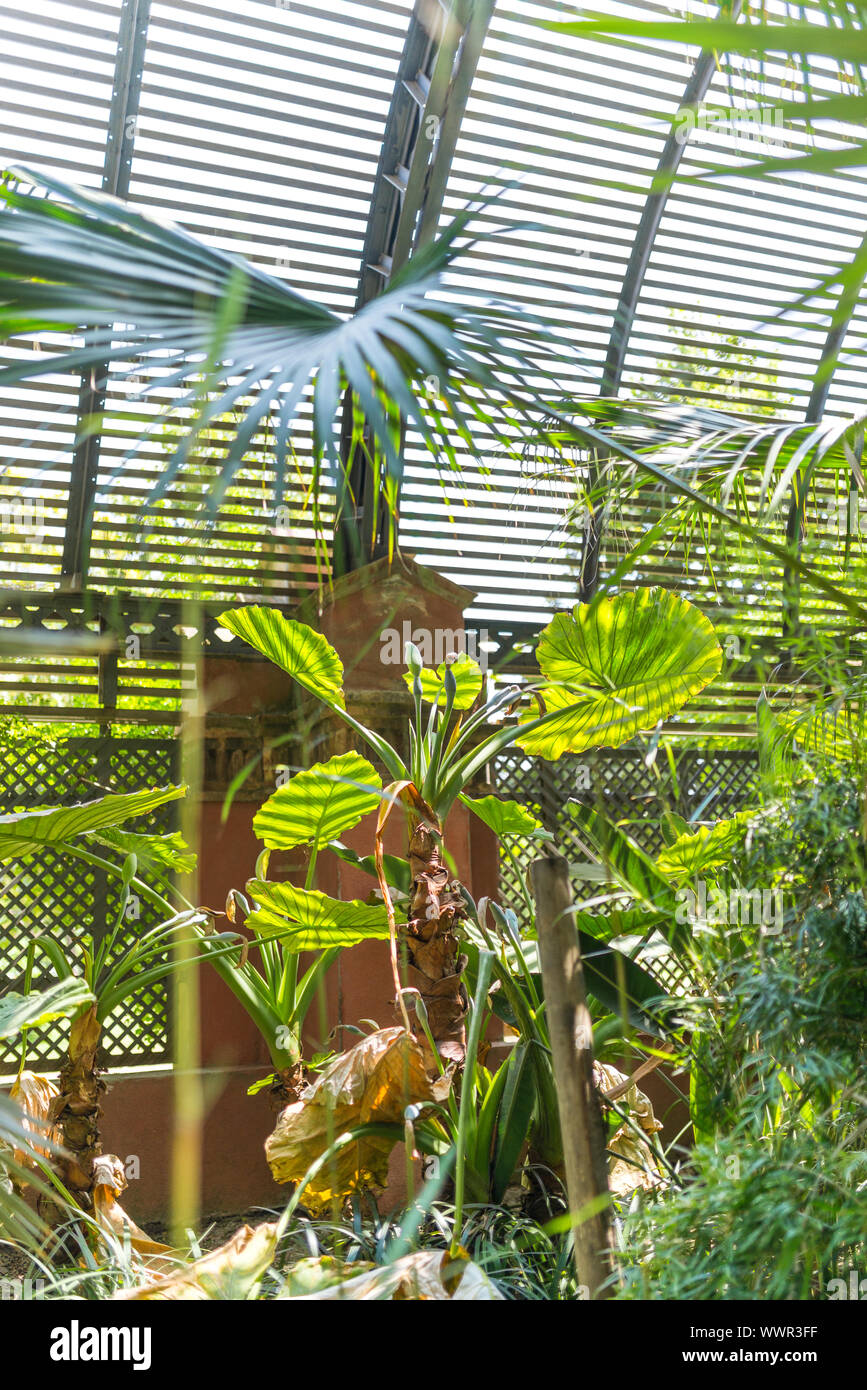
[(628, 921), (506, 817), (709, 847), (468, 680), (620, 984), (317, 805), (26, 831), (20, 1011), (617, 981), (159, 854), (618, 666), (297, 649), (306, 920)]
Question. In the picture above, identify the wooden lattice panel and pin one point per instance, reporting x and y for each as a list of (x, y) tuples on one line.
[(53, 893), (707, 784)]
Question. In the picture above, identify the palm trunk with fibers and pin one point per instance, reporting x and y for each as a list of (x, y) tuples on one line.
[(287, 1086), (434, 964), (76, 1110)]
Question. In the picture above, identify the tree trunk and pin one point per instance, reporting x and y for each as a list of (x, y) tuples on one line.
[(436, 907), (287, 1086), (77, 1110), (571, 1035)]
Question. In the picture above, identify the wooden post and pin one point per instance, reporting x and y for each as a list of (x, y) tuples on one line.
[(572, 1053)]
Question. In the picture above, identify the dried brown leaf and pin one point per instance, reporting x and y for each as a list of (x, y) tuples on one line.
[(230, 1272), (35, 1094), (372, 1083)]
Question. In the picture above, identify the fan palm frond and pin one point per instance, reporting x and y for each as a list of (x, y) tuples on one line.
[(223, 334)]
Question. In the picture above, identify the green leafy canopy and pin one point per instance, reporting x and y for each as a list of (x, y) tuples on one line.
[(618, 666)]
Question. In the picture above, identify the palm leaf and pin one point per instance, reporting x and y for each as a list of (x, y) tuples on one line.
[(224, 334), (847, 44)]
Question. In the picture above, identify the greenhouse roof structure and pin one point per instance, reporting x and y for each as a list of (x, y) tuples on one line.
[(622, 193)]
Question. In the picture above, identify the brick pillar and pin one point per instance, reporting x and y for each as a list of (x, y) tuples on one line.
[(244, 698), (251, 703), (366, 617)]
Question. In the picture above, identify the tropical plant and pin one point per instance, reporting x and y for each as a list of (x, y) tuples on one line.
[(226, 337), (772, 1202), (27, 1144), (662, 651), (606, 671), (98, 973)]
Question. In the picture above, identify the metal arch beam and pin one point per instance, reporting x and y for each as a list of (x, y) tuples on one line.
[(642, 248), (821, 389), (435, 76), (120, 141), (403, 131), (451, 83), (841, 319), (399, 141), (645, 237)]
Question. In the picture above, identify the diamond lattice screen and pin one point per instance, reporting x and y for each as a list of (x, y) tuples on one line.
[(54, 893)]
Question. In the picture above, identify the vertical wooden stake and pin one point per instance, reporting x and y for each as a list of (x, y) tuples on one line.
[(572, 1052)]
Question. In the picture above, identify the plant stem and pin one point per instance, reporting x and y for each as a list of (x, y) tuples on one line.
[(468, 1086)]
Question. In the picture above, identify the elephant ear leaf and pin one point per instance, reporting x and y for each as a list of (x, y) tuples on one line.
[(319, 804), (159, 854), (297, 649), (20, 1011), (24, 832), (506, 817), (617, 666), (709, 847), (306, 920), (621, 985)]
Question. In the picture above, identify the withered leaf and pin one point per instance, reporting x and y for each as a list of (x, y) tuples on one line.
[(372, 1083)]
